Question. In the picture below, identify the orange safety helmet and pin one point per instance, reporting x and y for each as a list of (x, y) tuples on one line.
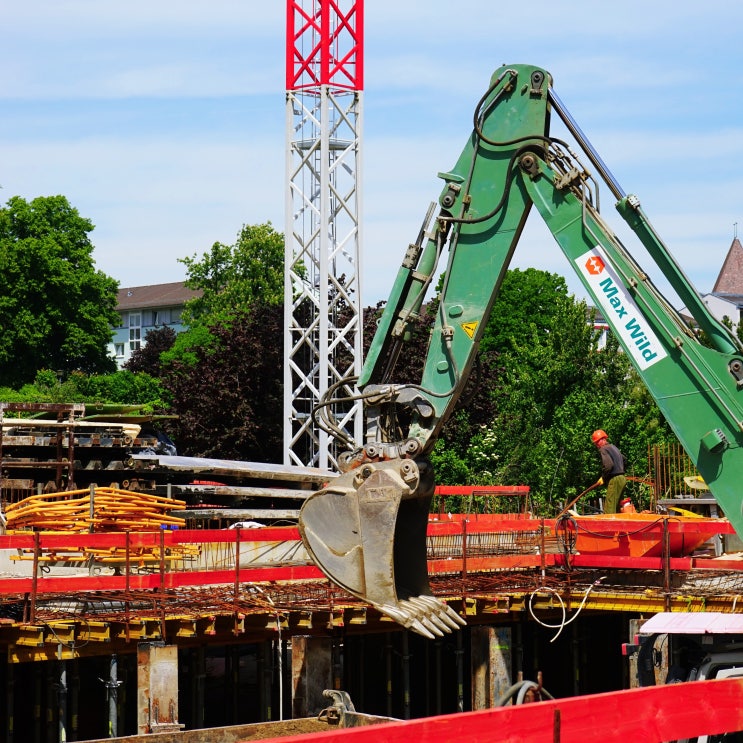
[(596, 436)]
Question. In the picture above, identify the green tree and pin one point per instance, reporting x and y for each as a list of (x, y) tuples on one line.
[(233, 277), (529, 302), (147, 358), (552, 387), (227, 393), (122, 387), (56, 310)]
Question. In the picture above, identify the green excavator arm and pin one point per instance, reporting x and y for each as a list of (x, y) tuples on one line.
[(367, 530)]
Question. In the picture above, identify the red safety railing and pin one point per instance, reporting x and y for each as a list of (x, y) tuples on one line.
[(456, 545), (648, 715)]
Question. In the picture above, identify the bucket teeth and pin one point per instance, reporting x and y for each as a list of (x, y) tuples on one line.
[(442, 611), (407, 619), (422, 615), (425, 615), (433, 613), (452, 618), (421, 629), (432, 624), (394, 613), (440, 624)]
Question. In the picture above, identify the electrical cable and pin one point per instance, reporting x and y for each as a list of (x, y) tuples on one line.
[(565, 622)]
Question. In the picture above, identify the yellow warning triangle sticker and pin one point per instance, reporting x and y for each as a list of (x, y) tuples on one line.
[(470, 328)]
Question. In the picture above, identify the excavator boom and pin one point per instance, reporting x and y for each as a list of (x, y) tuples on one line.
[(367, 530)]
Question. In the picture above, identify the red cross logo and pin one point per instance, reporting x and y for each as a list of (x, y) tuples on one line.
[(595, 265)]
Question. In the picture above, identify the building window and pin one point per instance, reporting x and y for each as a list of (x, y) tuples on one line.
[(119, 348), (135, 331), (161, 317)]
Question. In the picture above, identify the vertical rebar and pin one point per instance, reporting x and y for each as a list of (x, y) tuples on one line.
[(162, 558), (667, 564), (127, 595), (464, 564), (542, 550), (161, 598), (35, 578), (236, 595), (556, 726)]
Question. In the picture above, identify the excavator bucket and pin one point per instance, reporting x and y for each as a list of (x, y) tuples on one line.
[(367, 532)]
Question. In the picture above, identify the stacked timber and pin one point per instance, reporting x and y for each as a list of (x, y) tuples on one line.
[(61, 446), (58, 448)]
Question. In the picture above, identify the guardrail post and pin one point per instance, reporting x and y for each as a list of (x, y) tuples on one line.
[(35, 579), (464, 563)]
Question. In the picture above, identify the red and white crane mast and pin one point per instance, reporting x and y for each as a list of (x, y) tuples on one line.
[(323, 317)]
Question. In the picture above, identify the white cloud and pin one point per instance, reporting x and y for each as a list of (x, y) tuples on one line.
[(163, 122)]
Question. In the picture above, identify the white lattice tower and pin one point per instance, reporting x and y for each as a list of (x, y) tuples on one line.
[(323, 317)]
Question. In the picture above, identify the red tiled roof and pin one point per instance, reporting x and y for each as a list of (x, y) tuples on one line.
[(156, 295), (730, 278)]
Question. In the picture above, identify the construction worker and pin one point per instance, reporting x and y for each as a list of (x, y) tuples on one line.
[(613, 465)]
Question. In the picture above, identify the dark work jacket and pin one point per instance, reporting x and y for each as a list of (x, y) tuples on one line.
[(613, 462)]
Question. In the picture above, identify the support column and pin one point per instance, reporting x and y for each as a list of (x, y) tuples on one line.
[(634, 629), (112, 696), (232, 681), (62, 700), (50, 705), (438, 645), (388, 671), (74, 698), (312, 673), (197, 659), (157, 688), (491, 658), (10, 700), (459, 655), (265, 671), (39, 673), (405, 675)]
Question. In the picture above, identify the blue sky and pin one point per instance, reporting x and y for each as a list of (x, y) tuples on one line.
[(163, 122)]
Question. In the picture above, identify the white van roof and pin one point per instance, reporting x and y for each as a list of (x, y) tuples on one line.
[(693, 623)]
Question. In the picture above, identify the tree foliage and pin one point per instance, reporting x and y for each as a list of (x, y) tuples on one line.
[(476, 404), (56, 310), (234, 277), (553, 387), (122, 387), (146, 358), (228, 393)]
